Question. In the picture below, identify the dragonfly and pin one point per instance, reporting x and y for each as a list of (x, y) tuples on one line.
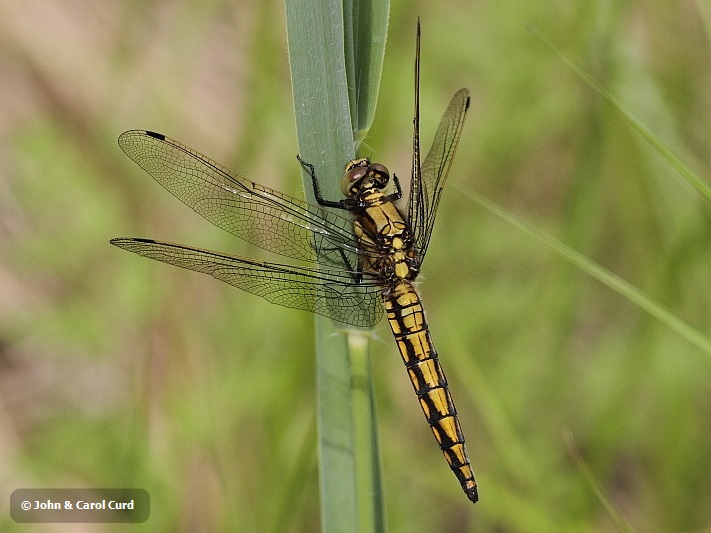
[(361, 254)]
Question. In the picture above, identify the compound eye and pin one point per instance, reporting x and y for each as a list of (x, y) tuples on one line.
[(356, 174), (352, 176), (380, 169), (380, 174)]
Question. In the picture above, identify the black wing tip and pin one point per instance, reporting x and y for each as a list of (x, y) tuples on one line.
[(463, 92), (149, 133), (155, 135), (119, 241)]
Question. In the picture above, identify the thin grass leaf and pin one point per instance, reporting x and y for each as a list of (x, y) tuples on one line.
[(654, 308), (692, 176), (616, 516)]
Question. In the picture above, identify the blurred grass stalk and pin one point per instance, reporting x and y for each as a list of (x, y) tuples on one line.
[(654, 308), (687, 172), (336, 54), (604, 276)]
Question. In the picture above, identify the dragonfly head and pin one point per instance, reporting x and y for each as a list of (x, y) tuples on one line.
[(361, 174)]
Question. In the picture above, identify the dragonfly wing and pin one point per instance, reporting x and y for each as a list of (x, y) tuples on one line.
[(429, 181), (262, 216), (331, 293)]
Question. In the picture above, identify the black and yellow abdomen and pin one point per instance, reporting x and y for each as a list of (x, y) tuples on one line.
[(407, 321), (381, 227)]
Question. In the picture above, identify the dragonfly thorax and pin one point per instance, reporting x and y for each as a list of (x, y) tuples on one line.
[(361, 175)]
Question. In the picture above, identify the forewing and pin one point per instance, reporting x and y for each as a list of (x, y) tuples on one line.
[(429, 181), (331, 293), (262, 216)]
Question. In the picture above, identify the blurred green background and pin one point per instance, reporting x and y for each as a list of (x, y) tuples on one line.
[(116, 371)]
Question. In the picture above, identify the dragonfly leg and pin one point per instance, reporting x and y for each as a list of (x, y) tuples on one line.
[(394, 197), (317, 192), (355, 271)]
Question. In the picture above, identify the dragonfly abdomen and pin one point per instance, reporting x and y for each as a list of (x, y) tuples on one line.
[(407, 321)]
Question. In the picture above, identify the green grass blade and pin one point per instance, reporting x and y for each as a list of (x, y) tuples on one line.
[(687, 172), (336, 454), (366, 33), (320, 90), (704, 10), (654, 308), (351, 494), (371, 512)]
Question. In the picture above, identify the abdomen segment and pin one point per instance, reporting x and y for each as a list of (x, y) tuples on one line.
[(407, 321)]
